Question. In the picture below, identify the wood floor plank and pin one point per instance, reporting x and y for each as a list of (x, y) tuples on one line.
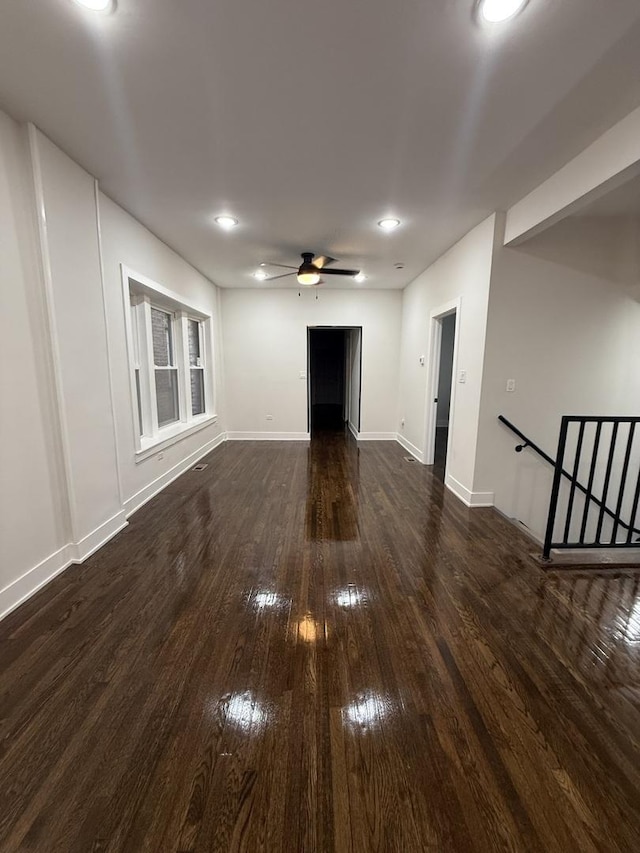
[(319, 648)]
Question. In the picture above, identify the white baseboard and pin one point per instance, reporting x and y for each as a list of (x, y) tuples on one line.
[(471, 499), (79, 551), (413, 450), (268, 436), (376, 436), (34, 579), (31, 581), (352, 430), (151, 490)]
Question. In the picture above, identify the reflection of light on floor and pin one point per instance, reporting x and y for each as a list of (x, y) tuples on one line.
[(630, 626), (349, 597), (368, 710), (245, 712), (307, 630), (266, 599)]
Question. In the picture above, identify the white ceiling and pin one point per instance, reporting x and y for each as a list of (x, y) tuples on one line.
[(309, 121)]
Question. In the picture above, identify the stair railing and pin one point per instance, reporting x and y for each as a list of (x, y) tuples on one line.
[(606, 450)]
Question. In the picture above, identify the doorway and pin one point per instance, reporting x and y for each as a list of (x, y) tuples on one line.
[(441, 390), (334, 368), (443, 405)]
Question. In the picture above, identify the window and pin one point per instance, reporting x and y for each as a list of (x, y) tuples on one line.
[(164, 367), (135, 352), (169, 352), (196, 367)]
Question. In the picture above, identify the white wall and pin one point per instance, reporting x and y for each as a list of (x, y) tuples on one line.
[(33, 531), (462, 273), (563, 324), (74, 284), (126, 241), (69, 474), (265, 350)]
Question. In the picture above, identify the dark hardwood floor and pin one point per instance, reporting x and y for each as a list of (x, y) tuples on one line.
[(440, 456), (320, 649)]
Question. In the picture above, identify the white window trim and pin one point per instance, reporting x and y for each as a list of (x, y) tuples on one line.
[(203, 362), (139, 289)]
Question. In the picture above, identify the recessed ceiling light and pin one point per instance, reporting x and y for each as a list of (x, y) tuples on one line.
[(226, 222), (97, 5), (495, 11), (360, 277), (388, 224), (260, 275)]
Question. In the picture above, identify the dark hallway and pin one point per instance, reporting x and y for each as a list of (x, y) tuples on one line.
[(327, 354)]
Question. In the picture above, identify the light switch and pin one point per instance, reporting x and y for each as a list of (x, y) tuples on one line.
[(303, 374), (462, 376), (511, 385), (422, 360)]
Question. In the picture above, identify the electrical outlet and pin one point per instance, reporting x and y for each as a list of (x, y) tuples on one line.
[(269, 417), (160, 456), (402, 422), (511, 385)]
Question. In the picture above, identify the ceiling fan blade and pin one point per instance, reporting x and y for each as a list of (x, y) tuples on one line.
[(323, 261), (275, 277), (340, 272), (282, 266)]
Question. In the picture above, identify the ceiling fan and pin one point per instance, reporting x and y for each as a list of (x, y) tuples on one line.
[(309, 270)]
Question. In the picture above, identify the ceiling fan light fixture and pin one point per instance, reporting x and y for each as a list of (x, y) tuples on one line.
[(389, 224), (226, 222), (260, 275), (360, 277), (496, 11), (308, 278)]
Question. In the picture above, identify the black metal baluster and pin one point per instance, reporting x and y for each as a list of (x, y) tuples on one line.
[(607, 480), (555, 491), (634, 510), (623, 482), (592, 473), (574, 479)]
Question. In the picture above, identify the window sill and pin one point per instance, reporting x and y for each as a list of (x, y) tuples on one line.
[(171, 435)]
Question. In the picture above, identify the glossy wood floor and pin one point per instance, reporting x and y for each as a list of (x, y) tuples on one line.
[(319, 649)]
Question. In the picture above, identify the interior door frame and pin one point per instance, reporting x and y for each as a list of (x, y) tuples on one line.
[(357, 422), (347, 388), (431, 407)]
